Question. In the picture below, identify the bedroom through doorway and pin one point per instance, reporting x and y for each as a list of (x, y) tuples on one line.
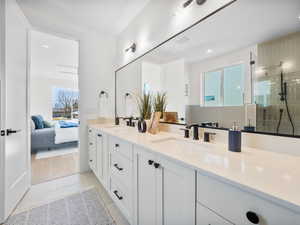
[(54, 107)]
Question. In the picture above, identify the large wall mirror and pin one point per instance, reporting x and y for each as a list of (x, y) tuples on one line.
[(241, 65)]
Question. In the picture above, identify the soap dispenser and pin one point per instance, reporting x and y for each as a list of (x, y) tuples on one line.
[(235, 139)]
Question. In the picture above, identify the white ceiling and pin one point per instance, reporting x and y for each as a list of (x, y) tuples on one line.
[(106, 16), (243, 24)]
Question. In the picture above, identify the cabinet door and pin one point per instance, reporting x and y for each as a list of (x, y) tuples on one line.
[(146, 189), (207, 217), (92, 160), (177, 193), (100, 156)]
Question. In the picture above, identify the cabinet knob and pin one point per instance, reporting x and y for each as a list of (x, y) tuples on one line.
[(117, 145), (91, 143), (156, 165), (150, 162), (99, 135), (91, 160), (252, 217)]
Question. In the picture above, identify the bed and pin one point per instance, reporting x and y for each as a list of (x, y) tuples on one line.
[(54, 137)]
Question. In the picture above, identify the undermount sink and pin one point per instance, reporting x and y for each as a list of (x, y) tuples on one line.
[(181, 144)]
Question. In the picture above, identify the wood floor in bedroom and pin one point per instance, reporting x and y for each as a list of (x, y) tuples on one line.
[(50, 168)]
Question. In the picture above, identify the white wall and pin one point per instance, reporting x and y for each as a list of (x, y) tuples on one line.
[(152, 75), (173, 83), (129, 80), (41, 92), (158, 21), (53, 63), (96, 73)]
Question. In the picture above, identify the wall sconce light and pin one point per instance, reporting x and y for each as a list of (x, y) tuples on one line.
[(188, 2), (132, 48)]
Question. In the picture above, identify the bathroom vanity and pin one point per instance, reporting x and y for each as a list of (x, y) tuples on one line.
[(166, 179)]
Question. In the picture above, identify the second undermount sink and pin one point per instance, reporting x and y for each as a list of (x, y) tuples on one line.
[(176, 144), (172, 142)]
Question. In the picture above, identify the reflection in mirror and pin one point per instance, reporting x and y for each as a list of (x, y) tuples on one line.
[(225, 71)]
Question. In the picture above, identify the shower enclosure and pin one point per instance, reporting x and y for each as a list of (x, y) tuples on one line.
[(277, 85)]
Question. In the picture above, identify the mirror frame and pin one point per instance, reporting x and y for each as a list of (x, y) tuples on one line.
[(171, 38)]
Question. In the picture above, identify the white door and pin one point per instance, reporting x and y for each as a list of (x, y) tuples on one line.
[(178, 193), (146, 183), (15, 153)]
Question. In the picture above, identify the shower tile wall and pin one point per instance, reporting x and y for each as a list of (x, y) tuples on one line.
[(267, 84)]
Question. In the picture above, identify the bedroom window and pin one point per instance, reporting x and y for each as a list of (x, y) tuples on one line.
[(224, 87), (65, 103)]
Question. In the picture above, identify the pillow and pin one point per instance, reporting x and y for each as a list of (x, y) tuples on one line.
[(38, 121), (47, 124)]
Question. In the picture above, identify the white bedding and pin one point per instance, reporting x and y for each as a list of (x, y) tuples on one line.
[(65, 135)]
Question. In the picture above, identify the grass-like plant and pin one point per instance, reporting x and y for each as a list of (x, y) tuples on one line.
[(160, 102), (145, 106)]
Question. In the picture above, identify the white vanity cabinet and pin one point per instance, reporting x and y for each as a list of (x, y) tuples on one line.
[(151, 189), (241, 207), (165, 191)]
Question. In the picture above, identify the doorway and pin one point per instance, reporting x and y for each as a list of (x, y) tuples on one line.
[(54, 107)]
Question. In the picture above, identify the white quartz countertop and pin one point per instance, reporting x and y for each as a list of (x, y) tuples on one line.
[(272, 176)]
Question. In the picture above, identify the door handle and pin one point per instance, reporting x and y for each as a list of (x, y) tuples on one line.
[(119, 168), (117, 194), (11, 131)]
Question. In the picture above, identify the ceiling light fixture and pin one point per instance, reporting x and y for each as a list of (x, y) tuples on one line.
[(132, 48), (188, 2)]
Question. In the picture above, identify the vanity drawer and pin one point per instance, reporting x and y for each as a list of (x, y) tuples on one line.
[(122, 169), (235, 205), (207, 217), (119, 146), (121, 197)]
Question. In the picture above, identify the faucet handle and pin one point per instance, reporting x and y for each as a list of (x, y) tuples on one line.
[(207, 136), (186, 132)]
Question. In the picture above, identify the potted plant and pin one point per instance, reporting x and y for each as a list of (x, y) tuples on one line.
[(145, 109), (160, 103)]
